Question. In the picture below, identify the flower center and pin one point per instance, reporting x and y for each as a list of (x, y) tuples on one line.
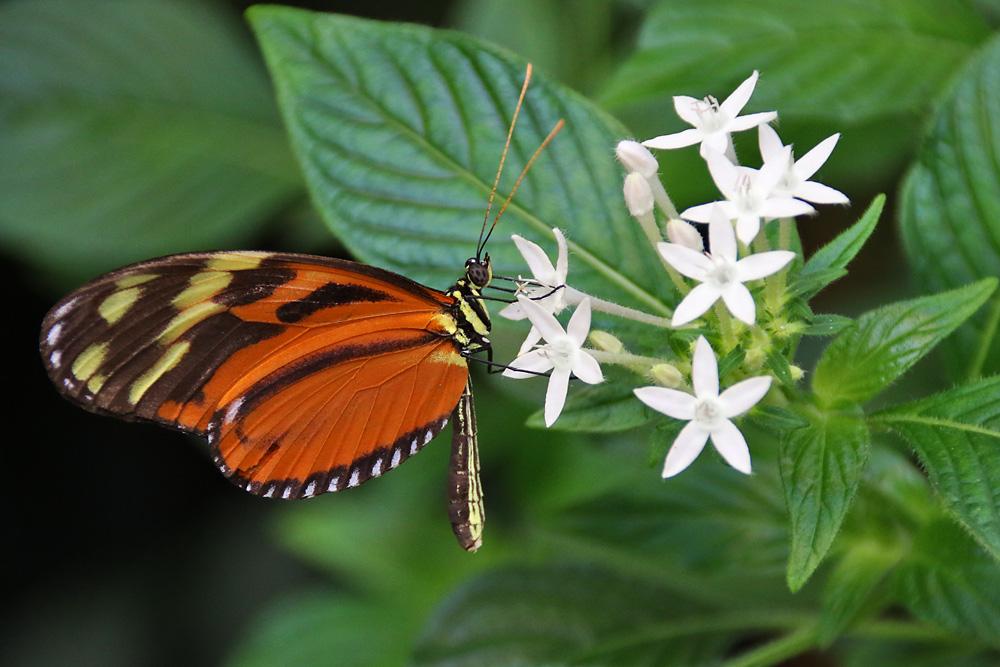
[(721, 274), (561, 352), (708, 412), (708, 112)]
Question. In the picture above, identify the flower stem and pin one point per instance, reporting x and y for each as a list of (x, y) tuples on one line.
[(635, 362), (779, 650), (575, 296), (729, 339), (649, 227)]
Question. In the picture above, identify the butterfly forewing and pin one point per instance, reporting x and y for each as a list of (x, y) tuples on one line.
[(307, 374)]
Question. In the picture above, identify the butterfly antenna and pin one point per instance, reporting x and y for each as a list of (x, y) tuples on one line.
[(503, 157), (520, 178)]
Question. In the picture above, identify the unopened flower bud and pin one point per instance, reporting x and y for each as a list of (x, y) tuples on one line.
[(638, 195), (796, 372), (636, 157), (602, 340), (667, 375), (684, 233)]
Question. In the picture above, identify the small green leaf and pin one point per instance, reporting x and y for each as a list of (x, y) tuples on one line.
[(886, 342), (948, 580), (830, 262), (732, 361), (805, 285), (821, 467), (776, 418), (859, 573), (950, 201), (600, 409), (131, 130), (827, 325), (778, 363), (956, 435), (400, 129)]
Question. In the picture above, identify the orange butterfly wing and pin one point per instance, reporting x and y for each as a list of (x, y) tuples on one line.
[(307, 374)]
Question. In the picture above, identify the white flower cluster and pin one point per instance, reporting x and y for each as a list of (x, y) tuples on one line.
[(780, 189)]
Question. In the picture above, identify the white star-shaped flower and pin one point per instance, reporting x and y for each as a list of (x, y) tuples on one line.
[(707, 412), (713, 122), (750, 195), (721, 275), (794, 181), (548, 288), (563, 354)]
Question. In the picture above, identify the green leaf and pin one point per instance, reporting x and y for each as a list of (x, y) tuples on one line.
[(950, 203), (827, 325), (949, 581), (851, 586), (886, 342), (600, 409), (891, 56), (133, 129), (567, 613), (821, 467), (400, 129), (956, 435), (778, 363), (829, 262), (776, 418)]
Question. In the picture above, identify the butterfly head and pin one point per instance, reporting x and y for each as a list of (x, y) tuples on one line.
[(479, 272)]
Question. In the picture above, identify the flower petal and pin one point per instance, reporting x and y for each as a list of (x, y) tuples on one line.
[(721, 237), (691, 263), (671, 402), (555, 395), (740, 303), (747, 227), (695, 304), (762, 264), (769, 142), (739, 97), (743, 395), (752, 120), (544, 321), (680, 139), (809, 164), (704, 370), (534, 362), (562, 257), (784, 207), (686, 448), (771, 172), (513, 311), (579, 323), (539, 263), (724, 173), (529, 341), (731, 444), (587, 369), (701, 212), (818, 193), (687, 108)]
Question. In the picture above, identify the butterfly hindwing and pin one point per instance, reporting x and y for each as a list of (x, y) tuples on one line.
[(306, 373)]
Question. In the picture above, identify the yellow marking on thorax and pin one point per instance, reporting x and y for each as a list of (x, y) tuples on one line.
[(473, 318), (446, 324), (203, 286), (235, 261), (88, 361), (186, 319), (132, 281), (167, 361), (115, 306)]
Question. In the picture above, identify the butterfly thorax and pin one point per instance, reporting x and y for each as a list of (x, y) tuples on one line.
[(471, 317)]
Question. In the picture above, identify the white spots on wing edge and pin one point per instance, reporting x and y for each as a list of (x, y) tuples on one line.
[(55, 359), (355, 478), (52, 337), (65, 308)]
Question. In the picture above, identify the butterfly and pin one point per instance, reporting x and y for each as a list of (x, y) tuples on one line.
[(305, 374)]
